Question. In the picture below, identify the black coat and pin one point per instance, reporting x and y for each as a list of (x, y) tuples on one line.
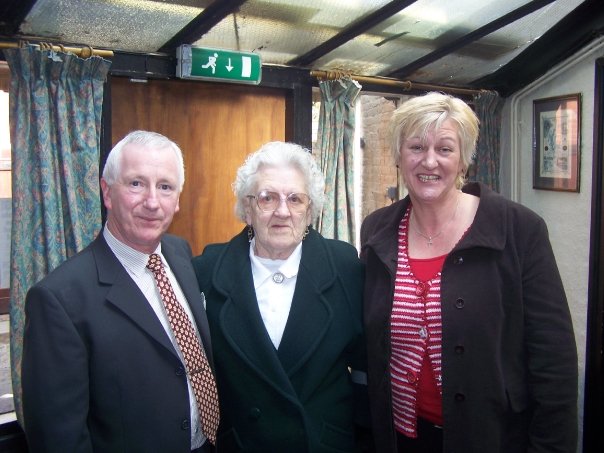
[(99, 371), (298, 398), (509, 359)]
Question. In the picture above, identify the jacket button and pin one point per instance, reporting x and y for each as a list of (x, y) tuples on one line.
[(459, 349), (185, 425), (254, 413), (459, 303), (411, 377), (460, 397), (180, 371), (458, 260)]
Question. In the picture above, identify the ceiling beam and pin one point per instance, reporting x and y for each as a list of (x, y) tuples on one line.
[(357, 28), (203, 23), (581, 26), (12, 14), (459, 43)]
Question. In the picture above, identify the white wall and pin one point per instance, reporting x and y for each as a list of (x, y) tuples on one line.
[(568, 215)]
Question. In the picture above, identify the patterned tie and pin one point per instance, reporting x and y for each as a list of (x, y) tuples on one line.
[(198, 368)]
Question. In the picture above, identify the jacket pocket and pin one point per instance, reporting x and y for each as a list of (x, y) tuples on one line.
[(228, 441), (336, 438)]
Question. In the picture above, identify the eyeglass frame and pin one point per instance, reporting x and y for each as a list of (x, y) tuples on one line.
[(281, 200)]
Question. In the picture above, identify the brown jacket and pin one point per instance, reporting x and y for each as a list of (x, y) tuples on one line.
[(509, 357)]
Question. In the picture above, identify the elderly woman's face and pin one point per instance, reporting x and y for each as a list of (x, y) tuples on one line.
[(430, 165), (278, 231)]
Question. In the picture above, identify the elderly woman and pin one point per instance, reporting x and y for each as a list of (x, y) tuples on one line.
[(285, 312), (470, 340)]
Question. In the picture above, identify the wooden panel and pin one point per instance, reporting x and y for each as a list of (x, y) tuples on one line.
[(4, 300), (4, 76), (216, 126)]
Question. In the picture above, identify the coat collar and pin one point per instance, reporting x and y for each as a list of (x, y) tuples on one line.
[(236, 253), (488, 229), (309, 319)]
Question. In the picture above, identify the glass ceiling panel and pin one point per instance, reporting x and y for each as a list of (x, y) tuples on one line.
[(131, 25), (414, 32), (492, 52), (280, 30)]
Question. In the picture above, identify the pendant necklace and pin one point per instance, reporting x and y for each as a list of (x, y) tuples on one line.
[(430, 238)]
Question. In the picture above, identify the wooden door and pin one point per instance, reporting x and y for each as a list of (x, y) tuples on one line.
[(216, 126)]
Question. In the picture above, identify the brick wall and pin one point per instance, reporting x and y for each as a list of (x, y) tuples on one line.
[(378, 167)]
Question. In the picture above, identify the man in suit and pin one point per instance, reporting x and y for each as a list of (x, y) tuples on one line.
[(102, 369)]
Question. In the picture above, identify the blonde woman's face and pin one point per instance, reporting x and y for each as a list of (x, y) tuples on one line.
[(430, 165), (280, 231)]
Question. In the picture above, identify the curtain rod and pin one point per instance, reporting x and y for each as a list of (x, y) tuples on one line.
[(405, 85), (84, 52)]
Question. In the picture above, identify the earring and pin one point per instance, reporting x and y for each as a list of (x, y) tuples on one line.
[(306, 232), (250, 233)]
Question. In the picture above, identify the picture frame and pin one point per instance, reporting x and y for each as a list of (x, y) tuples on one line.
[(556, 143)]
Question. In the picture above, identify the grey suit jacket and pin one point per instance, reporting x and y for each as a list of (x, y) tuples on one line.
[(99, 372)]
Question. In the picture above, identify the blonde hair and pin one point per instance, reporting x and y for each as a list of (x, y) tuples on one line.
[(420, 114)]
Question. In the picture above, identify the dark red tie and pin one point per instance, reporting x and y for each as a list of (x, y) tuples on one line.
[(198, 368)]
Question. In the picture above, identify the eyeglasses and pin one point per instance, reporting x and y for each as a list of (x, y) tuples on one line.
[(270, 201)]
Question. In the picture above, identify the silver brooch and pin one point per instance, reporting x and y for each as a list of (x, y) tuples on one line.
[(278, 277)]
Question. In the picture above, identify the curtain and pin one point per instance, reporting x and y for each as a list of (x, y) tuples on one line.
[(55, 102), (335, 140), (488, 106)]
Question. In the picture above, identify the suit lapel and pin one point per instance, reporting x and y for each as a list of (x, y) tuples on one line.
[(311, 315), (183, 271), (125, 295)]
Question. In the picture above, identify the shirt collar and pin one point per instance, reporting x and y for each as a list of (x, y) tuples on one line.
[(264, 268), (133, 260)]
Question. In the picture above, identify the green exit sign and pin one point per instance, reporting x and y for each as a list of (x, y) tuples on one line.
[(218, 65)]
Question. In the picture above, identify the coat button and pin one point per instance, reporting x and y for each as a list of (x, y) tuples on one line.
[(254, 413), (458, 260), (185, 425), (423, 332), (459, 397), (411, 377), (180, 371), (459, 349), (459, 303)]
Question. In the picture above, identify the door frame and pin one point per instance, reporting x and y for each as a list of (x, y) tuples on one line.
[(593, 435)]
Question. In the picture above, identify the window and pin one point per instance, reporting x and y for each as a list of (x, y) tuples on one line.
[(6, 396)]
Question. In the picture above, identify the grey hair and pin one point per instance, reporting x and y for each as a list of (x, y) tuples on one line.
[(277, 154), (420, 114), (151, 140)]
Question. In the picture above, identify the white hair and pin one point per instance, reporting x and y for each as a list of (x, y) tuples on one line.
[(276, 154), (151, 140)]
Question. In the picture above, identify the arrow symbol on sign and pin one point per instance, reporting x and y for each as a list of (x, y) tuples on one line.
[(229, 67)]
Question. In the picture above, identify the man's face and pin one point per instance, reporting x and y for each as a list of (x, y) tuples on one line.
[(143, 200)]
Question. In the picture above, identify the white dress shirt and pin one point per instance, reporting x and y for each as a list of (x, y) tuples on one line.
[(275, 282)]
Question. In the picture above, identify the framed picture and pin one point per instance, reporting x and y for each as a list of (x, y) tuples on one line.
[(556, 143)]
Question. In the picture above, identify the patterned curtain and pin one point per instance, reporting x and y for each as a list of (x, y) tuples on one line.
[(55, 103), (335, 140), (488, 106)]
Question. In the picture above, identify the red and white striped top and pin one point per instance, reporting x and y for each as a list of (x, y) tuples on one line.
[(416, 330)]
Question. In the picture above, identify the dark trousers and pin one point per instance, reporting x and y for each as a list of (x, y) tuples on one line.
[(429, 439)]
